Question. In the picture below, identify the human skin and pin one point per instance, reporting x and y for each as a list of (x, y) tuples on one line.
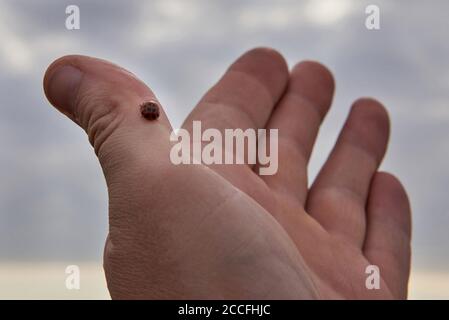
[(223, 231)]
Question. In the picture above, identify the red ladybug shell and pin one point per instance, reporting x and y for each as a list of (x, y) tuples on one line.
[(150, 110)]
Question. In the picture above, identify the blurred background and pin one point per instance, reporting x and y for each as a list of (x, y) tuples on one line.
[(53, 201)]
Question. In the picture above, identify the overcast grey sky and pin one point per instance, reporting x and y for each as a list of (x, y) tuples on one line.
[(53, 202)]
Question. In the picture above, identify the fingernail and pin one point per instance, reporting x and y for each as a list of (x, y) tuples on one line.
[(63, 87)]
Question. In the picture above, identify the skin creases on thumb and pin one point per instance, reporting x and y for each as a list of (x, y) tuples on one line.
[(105, 101)]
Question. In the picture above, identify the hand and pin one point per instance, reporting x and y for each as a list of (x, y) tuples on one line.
[(192, 231)]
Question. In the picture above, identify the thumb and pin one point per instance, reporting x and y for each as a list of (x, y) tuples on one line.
[(105, 101)]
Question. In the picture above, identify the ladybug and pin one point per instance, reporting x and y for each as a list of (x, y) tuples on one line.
[(150, 110)]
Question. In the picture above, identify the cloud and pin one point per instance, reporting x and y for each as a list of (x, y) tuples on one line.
[(14, 52), (328, 12)]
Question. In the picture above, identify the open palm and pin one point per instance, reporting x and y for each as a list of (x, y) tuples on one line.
[(223, 231)]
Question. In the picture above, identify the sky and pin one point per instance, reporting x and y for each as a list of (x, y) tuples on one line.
[(53, 201)]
